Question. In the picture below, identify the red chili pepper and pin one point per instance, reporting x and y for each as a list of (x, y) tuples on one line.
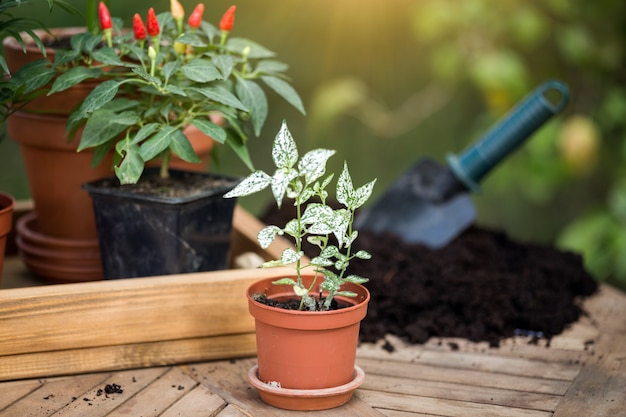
[(138, 27), (195, 19), (153, 23), (105, 16), (228, 20)]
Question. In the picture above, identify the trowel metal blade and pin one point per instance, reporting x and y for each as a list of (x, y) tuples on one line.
[(422, 206)]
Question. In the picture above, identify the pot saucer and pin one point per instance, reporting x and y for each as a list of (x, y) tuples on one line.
[(305, 399), (57, 260)]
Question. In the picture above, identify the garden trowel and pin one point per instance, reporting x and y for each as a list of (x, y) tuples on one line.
[(431, 204)]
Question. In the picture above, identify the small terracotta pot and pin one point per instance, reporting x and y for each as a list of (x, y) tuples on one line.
[(7, 203), (304, 350)]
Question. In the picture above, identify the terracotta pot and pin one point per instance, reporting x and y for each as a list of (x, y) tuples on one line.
[(7, 203), (55, 174), (306, 353)]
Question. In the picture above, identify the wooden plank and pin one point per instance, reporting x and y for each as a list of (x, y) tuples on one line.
[(479, 362), (415, 371), (13, 391), (96, 402), (126, 311), (229, 381), (52, 396), (600, 388), (442, 407), (158, 396), (476, 394), (117, 357), (199, 402)]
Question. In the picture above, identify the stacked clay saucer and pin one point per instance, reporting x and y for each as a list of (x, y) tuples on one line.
[(57, 260)]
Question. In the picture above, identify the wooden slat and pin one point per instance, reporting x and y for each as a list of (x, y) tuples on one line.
[(462, 376), (199, 402), (52, 396), (118, 357), (600, 388), (442, 407), (14, 390), (505, 396)]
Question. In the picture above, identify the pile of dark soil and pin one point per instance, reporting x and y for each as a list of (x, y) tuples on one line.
[(483, 286)]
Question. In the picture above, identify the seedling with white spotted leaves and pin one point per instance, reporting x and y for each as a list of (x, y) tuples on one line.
[(303, 180)]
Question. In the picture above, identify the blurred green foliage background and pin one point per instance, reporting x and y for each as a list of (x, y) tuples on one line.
[(388, 82)]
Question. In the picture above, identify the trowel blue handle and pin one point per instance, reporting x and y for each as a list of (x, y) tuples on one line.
[(506, 136)]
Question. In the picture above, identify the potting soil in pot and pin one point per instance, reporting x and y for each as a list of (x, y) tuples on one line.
[(483, 286)]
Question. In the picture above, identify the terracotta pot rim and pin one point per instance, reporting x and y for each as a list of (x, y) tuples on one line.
[(25, 228), (7, 202), (32, 48), (355, 303), (305, 399)]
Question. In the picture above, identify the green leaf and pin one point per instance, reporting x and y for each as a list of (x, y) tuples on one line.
[(350, 294), (280, 183), (34, 75), (104, 125), (170, 68), (144, 132), (286, 91), (317, 213), (362, 194), (253, 183), (321, 262), (329, 252), (101, 95), (145, 76), (201, 70), (269, 66), (340, 224), (253, 97), (210, 129), (272, 264), (107, 56), (73, 77), (292, 228), (285, 281), (237, 45), (267, 235), (181, 146), (131, 168), (221, 95), (225, 63), (355, 279), (290, 256), (313, 164), (238, 145), (158, 142), (345, 189), (284, 150)]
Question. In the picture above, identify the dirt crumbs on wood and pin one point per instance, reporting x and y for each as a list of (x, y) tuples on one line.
[(482, 287)]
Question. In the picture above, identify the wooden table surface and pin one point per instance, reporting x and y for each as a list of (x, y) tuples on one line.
[(581, 373)]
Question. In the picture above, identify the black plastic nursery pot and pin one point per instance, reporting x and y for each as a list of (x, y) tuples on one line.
[(143, 235)]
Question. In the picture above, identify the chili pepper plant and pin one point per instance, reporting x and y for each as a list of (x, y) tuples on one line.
[(303, 181), (168, 72)]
